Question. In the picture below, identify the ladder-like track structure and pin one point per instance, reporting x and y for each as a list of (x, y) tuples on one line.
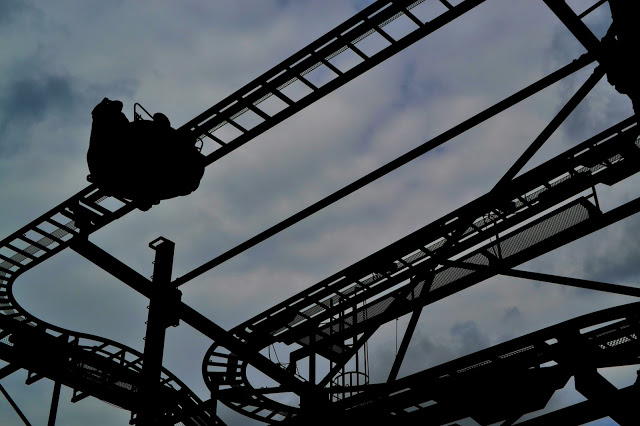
[(90, 365), (545, 208), (518, 377), (520, 219)]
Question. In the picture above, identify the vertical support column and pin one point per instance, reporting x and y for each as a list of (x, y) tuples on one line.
[(53, 411), (162, 314), (411, 327), (331, 396), (213, 402), (312, 358), (62, 358), (315, 404)]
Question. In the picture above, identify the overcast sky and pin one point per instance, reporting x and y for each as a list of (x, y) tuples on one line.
[(59, 59)]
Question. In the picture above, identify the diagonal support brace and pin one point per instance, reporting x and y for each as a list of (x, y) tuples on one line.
[(195, 319)]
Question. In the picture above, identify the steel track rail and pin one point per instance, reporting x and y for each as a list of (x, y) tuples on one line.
[(364, 296), (91, 209), (97, 362), (94, 366), (511, 379), (489, 215), (239, 118)]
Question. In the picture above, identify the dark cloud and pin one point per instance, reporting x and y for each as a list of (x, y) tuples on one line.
[(182, 60), (563, 45), (599, 20), (10, 9), (602, 108), (27, 102), (513, 320), (623, 266), (434, 353), (428, 351), (512, 314), (469, 338), (114, 89), (361, 4)]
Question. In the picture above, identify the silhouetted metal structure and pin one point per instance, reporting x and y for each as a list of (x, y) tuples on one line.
[(519, 219)]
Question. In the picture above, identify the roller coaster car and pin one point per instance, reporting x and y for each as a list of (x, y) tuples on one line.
[(620, 49), (145, 160)]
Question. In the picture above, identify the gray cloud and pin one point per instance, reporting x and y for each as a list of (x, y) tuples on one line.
[(623, 265), (469, 337), (181, 60), (10, 10), (27, 102), (512, 314)]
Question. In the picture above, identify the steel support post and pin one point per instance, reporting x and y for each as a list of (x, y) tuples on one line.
[(162, 307), (190, 316), (312, 358), (53, 411), (315, 403), (406, 339)]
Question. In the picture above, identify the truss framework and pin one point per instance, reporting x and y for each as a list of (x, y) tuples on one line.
[(520, 218)]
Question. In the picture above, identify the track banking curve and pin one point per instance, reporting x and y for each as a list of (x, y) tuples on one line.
[(92, 365), (95, 366), (543, 209)]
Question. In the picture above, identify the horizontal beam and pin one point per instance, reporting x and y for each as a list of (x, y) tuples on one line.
[(553, 125), (392, 165), (110, 264), (574, 282), (554, 279), (198, 321)]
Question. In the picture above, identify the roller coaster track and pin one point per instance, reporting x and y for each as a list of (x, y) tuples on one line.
[(517, 377), (225, 117), (96, 363), (545, 208), (530, 215), (91, 365)]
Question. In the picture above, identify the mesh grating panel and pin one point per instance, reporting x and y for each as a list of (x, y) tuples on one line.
[(517, 242), (548, 227), (449, 275), (619, 341)]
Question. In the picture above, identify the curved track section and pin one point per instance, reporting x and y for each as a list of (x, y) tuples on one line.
[(544, 208), (517, 377), (225, 374), (91, 209), (91, 365), (416, 265)]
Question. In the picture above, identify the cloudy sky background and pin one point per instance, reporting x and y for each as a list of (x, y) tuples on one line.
[(59, 59)]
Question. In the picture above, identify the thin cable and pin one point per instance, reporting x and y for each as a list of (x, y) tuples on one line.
[(276, 354)]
